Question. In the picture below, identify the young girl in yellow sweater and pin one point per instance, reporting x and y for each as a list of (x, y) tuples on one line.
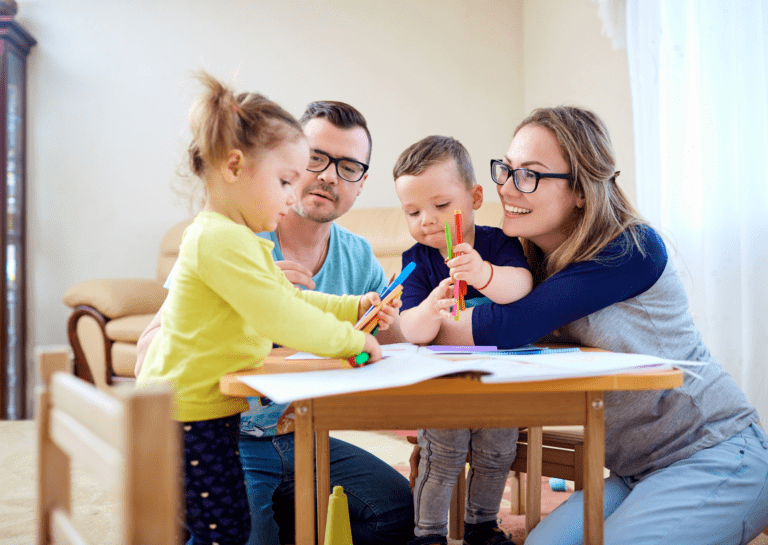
[(229, 301)]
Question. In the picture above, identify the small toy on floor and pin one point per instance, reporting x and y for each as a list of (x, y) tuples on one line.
[(337, 526), (558, 485)]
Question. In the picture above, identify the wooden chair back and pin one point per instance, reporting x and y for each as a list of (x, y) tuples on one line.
[(127, 437)]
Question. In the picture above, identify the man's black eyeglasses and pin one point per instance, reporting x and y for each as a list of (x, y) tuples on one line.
[(525, 179), (347, 169)]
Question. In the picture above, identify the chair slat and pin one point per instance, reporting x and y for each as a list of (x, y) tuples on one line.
[(80, 443), (95, 409)]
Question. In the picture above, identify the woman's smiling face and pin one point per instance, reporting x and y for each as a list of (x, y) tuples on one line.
[(545, 217)]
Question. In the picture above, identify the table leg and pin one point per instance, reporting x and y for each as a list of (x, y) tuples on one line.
[(594, 460), (458, 499), (533, 488), (305, 474), (323, 473)]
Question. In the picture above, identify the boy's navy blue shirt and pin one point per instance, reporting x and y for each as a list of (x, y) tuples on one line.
[(618, 272), (490, 242)]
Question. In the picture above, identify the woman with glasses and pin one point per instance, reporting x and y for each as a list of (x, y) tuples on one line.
[(688, 465)]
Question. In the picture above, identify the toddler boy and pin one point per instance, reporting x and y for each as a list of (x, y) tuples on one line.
[(434, 178)]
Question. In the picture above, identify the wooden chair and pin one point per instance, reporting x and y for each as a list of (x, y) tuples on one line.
[(128, 439), (562, 458)]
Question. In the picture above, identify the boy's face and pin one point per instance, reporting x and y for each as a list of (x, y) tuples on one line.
[(429, 200)]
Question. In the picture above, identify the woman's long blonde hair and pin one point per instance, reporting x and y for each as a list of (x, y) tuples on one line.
[(607, 212)]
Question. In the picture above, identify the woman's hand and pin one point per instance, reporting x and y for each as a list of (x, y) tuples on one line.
[(387, 314), (468, 266)]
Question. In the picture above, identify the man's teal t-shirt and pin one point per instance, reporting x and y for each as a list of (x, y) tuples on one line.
[(350, 268)]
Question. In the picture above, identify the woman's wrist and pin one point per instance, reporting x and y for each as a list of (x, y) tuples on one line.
[(489, 278)]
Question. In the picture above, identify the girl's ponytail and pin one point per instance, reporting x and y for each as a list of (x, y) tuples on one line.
[(221, 121)]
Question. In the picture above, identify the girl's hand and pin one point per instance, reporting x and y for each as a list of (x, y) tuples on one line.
[(367, 301), (372, 347), (387, 313), (468, 265)]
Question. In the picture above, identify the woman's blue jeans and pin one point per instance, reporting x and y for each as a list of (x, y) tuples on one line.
[(379, 498), (718, 496)]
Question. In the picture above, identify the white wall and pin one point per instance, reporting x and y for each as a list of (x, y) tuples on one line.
[(109, 92), (569, 61)]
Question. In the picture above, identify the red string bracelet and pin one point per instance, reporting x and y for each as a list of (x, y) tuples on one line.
[(489, 280)]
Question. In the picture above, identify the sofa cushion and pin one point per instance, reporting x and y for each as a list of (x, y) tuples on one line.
[(115, 297), (128, 328), (387, 230), (124, 359)]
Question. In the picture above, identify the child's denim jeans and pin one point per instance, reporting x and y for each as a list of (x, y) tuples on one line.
[(443, 454)]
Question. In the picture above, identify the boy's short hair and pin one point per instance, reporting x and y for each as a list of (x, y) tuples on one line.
[(338, 114), (433, 150)]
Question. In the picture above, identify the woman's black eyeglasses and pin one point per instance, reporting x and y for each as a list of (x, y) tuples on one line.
[(525, 179), (347, 169)]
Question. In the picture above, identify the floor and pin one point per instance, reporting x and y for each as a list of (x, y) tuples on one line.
[(18, 482), (393, 449)]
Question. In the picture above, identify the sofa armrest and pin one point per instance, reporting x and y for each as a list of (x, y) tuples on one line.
[(116, 297)]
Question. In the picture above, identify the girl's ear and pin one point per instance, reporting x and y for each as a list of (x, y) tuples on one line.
[(233, 165), (477, 197)]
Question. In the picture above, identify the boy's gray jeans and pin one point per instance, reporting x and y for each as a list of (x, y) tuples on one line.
[(443, 455)]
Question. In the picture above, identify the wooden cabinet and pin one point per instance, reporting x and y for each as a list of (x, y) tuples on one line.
[(15, 44)]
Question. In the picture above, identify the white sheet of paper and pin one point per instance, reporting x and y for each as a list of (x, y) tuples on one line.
[(409, 367), (398, 370), (572, 364), (305, 356)]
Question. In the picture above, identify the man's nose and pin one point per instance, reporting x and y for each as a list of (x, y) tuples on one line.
[(329, 175)]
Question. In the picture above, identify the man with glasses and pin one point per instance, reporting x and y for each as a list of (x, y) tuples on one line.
[(316, 253)]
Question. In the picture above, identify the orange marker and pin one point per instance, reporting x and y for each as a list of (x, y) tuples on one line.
[(459, 240)]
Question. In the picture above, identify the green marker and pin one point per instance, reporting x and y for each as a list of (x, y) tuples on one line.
[(448, 240), (361, 358)]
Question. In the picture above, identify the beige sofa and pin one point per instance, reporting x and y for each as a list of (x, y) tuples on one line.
[(109, 314)]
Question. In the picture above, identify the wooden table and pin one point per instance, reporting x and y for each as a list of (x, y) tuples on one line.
[(455, 402)]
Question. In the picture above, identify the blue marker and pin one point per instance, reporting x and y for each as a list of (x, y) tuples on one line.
[(400, 279), (396, 282)]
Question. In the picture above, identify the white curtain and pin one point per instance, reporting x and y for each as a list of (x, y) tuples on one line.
[(699, 79)]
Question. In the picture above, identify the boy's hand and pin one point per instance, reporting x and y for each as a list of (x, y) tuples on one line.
[(435, 303), (468, 265), (386, 315)]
